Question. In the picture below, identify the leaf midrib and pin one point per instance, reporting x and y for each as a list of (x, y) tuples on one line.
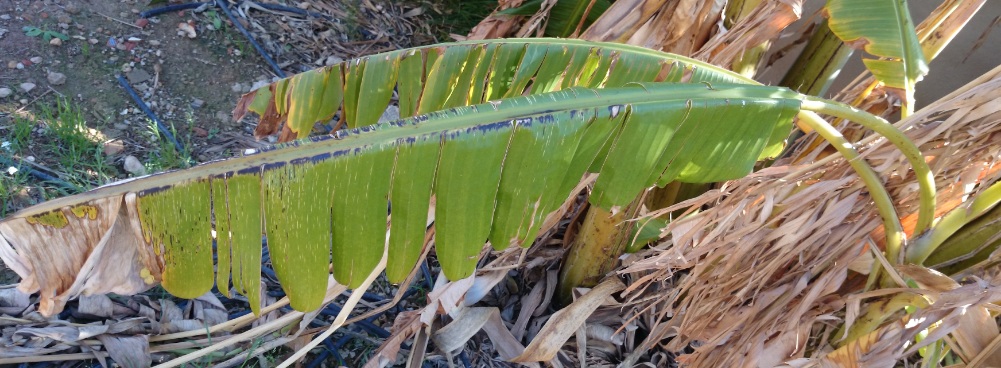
[(438, 122)]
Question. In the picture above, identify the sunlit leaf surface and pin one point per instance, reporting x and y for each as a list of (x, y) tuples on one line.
[(496, 169)]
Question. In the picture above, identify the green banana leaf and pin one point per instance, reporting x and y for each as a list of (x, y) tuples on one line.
[(882, 28), (565, 15), (497, 169), (443, 76)]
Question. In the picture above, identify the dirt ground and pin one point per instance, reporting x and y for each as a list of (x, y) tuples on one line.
[(187, 82)]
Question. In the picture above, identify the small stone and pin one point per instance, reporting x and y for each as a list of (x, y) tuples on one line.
[(197, 104), (142, 22), (121, 126), (12, 64), (26, 62), (222, 116), (56, 79), (133, 166), (23, 101), (19, 65), (30, 158), (138, 75), (56, 42), (331, 60), (72, 8), (36, 59), (4, 92), (391, 114), (63, 18), (5, 17), (237, 87), (93, 41), (64, 26), (113, 147), (27, 86), (259, 84), (200, 132), (186, 29), (154, 43)]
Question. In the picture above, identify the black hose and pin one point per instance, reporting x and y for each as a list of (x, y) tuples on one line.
[(168, 9), (149, 113), (39, 175), (264, 54), (298, 11)]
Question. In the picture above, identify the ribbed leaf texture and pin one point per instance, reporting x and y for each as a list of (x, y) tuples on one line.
[(496, 170)]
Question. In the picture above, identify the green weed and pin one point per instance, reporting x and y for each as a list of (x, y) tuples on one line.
[(166, 156), (47, 35), (76, 149), (11, 183), (20, 133), (215, 19)]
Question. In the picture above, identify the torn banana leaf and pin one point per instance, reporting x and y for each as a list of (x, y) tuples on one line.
[(882, 28), (443, 76), (496, 170)]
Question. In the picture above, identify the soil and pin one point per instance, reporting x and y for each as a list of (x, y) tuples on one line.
[(187, 82)]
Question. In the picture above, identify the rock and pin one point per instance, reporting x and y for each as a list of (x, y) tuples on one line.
[(331, 60), (72, 8), (237, 87), (186, 29), (19, 65), (121, 126), (114, 147), (4, 92), (5, 17), (154, 43), (142, 22), (12, 64), (137, 76), (259, 84), (391, 114), (64, 18), (36, 59), (197, 104), (56, 79), (133, 166), (26, 62), (200, 132), (92, 41), (23, 101), (27, 86), (56, 42)]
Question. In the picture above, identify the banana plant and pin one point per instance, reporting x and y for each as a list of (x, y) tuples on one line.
[(496, 169)]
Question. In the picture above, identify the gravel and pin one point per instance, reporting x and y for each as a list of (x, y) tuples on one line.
[(56, 79)]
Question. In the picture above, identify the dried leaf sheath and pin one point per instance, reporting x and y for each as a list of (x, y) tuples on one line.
[(324, 200)]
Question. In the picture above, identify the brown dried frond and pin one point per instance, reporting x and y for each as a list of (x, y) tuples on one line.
[(771, 260), (763, 24)]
